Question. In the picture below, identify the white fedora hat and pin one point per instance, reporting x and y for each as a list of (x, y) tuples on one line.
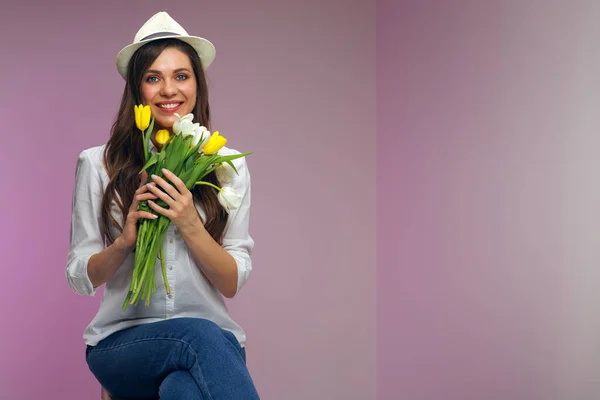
[(162, 26)]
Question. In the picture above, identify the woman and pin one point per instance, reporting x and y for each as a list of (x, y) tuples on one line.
[(184, 345)]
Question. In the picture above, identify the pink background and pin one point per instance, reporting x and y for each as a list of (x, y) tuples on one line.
[(488, 200), (294, 82)]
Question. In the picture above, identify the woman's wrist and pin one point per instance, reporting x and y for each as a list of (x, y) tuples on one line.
[(191, 228), (120, 245)]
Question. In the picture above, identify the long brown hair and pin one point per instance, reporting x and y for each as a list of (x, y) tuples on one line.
[(124, 152)]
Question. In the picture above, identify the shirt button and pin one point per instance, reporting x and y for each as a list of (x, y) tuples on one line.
[(171, 268), (170, 296), (171, 241)]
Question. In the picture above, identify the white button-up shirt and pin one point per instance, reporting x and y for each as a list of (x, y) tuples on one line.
[(192, 295)]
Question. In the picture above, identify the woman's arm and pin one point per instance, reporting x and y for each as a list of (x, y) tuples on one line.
[(89, 263), (228, 266), (217, 264), (103, 265)]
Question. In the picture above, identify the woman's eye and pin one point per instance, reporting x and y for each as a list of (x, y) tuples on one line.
[(182, 77), (152, 79)]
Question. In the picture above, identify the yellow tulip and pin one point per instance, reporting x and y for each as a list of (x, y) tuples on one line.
[(142, 116), (214, 144), (162, 136)]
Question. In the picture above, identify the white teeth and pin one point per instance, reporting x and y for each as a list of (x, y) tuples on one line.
[(169, 105)]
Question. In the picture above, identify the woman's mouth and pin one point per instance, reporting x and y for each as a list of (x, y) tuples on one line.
[(169, 107)]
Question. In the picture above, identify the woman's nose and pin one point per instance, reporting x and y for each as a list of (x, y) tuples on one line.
[(168, 88)]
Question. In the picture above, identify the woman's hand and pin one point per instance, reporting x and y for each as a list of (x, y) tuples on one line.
[(129, 236), (182, 211)]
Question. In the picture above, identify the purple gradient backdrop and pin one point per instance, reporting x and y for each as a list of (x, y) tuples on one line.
[(487, 202), (294, 82)]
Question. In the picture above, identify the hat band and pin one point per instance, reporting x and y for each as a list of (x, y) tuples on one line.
[(160, 34)]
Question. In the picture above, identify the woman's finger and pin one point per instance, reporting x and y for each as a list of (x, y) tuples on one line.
[(161, 195), (141, 189), (143, 178), (159, 209), (145, 214), (145, 196), (166, 186), (134, 216), (179, 184)]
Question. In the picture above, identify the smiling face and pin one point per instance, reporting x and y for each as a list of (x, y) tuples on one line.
[(169, 87)]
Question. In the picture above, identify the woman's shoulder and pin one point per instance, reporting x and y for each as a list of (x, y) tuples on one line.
[(93, 152), (92, 157)]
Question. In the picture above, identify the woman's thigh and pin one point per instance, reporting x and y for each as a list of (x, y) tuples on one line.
[(133, 363), (179, 385)]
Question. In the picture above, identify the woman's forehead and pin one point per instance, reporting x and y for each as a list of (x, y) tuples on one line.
[(170, 60)]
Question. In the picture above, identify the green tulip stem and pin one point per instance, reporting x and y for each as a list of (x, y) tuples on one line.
[(164, 270), (208, 184)]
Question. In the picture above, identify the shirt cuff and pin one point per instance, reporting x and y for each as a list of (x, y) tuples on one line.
[(243, 271), (78, 278)]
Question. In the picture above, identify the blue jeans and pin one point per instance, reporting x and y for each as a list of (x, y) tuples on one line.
[(179, 358)]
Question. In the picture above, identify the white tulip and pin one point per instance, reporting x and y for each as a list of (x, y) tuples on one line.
[(184, 125), (229, 198), (224, 173), (200, 132)]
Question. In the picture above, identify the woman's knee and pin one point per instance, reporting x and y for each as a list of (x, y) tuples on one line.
[(201, 329), (205, 339)]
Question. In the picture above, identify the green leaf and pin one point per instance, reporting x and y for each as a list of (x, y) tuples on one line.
[(232, 166), (174, 155), (206, 159), (190, 157), (194, 150), (150, 162), (189, 163), (203, 174), (161, 158), (192, 177), (150, 127), (230, 157), (146, 137)]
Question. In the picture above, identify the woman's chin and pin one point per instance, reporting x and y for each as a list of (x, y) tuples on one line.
[(164, 123)]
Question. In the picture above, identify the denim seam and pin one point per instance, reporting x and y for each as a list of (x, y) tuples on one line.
[(238, 347), (114, 347)]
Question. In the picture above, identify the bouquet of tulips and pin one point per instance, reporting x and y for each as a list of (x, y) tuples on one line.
[(191, 154)]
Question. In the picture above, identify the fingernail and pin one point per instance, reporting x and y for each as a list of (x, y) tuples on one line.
[(165, 171), (154, 176), (154, 216)]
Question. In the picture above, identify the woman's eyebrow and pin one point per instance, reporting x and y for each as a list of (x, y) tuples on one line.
[(155, 71)]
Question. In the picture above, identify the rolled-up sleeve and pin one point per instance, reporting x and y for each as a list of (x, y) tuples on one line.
[(237, 240), (85, 234)]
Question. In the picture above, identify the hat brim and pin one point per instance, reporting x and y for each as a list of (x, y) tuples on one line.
[(205, 49)]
